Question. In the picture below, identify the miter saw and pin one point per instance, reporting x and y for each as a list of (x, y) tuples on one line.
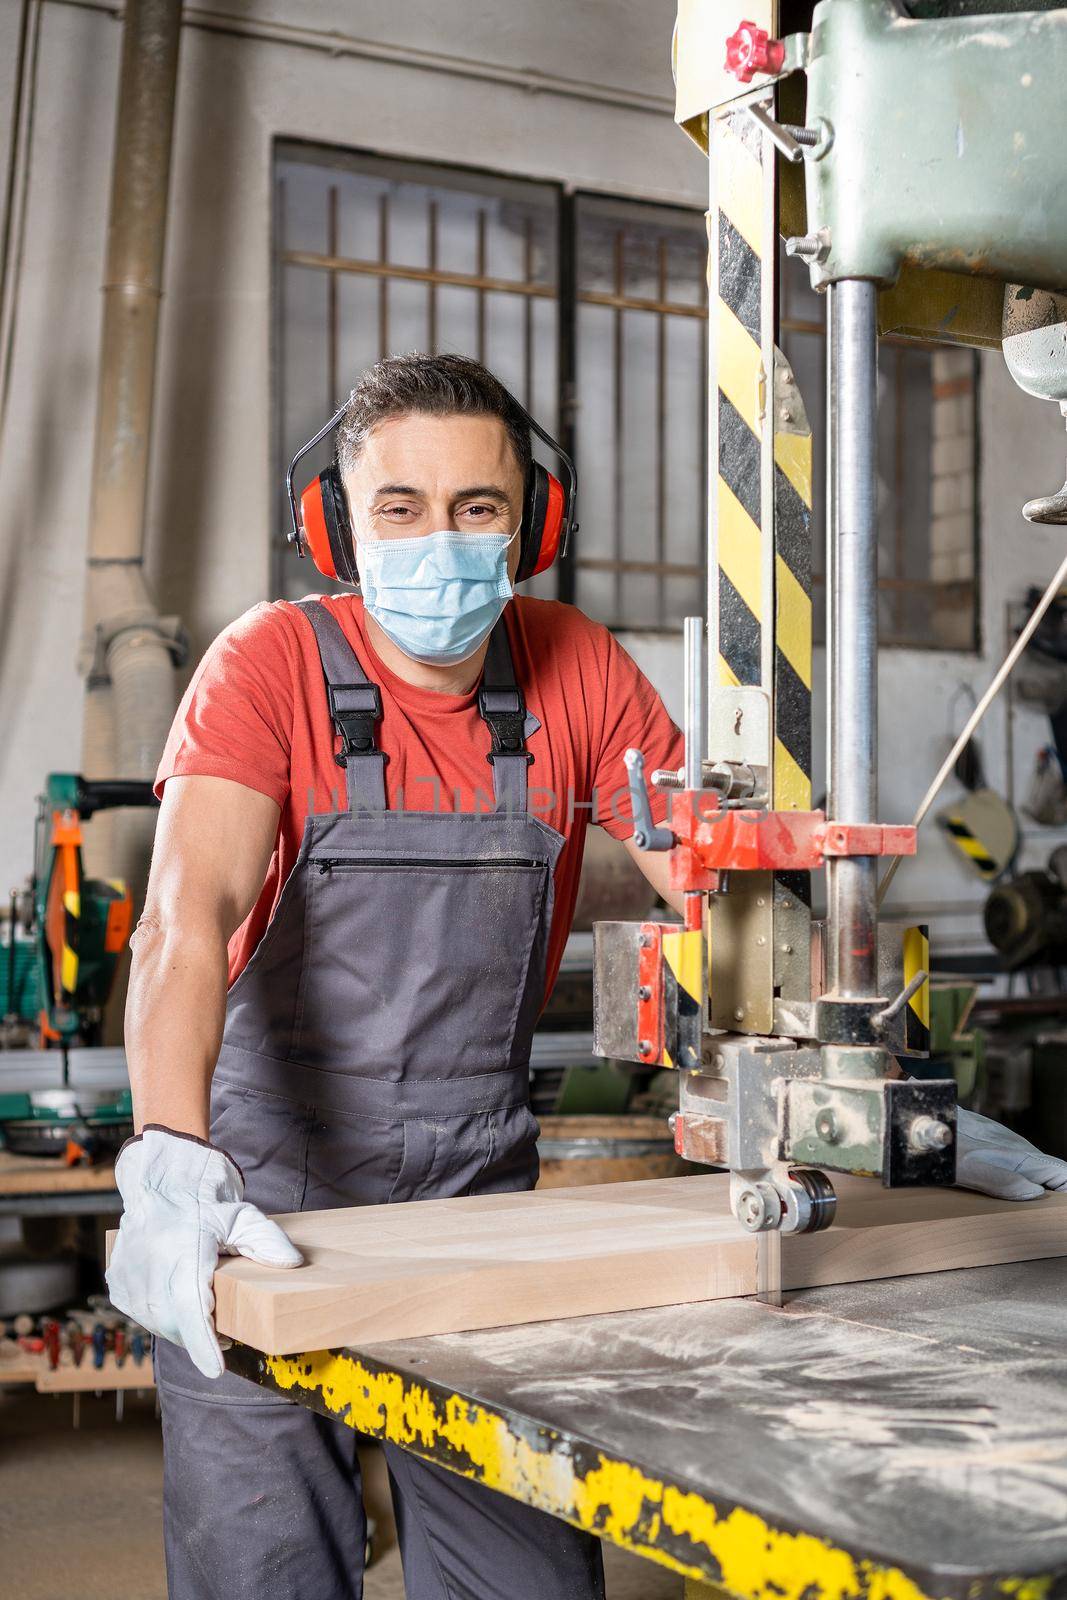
[(934, 205), (66, 934)]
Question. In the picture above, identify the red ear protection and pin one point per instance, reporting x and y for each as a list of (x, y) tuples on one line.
[(322, 527), (327, 528), (543, 522)]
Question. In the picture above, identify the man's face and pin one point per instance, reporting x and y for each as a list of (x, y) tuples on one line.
[(417, 475)]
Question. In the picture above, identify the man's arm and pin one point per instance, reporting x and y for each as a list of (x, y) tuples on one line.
[(214, 840), (655, 866)]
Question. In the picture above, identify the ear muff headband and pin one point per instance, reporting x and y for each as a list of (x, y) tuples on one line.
[(315, 535), (322, 526)]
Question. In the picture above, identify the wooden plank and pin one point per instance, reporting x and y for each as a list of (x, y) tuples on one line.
[(70, 1380), (48, 1175), (891, 1234), (17, 1365), (445, 1266)]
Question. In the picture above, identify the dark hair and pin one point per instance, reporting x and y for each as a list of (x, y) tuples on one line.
[(434, 386)]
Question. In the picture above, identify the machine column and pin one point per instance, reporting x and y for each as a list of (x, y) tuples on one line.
[(853, 633)]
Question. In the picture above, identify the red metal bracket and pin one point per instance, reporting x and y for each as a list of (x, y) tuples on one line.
[(650, 992), (868, 839), (711, 840)]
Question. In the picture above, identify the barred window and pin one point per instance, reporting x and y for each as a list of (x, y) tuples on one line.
[(927, 475), (593, 310)]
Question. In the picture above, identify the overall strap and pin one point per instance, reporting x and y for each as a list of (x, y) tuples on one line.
[(355, 705), (502, 706)]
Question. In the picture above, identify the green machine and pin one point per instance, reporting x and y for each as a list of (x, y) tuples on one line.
[(66, 935)]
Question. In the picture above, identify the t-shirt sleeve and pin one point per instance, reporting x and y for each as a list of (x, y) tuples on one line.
[(236, 717), (634, 715)]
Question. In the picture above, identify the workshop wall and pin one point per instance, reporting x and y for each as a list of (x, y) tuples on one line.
[(1021, 448), (406, 87), (403, 92)]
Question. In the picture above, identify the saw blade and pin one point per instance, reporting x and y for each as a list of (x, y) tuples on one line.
[(769, 1267)]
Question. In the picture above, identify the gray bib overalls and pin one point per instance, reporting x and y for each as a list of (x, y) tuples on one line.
[(376, 1049)]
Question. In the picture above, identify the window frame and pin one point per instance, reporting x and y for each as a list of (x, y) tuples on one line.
[(568, 297)]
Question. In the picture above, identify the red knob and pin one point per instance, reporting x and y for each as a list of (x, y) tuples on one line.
[(750, 50)]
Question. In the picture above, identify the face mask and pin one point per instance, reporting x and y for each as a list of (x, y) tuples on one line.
[(437, 596)]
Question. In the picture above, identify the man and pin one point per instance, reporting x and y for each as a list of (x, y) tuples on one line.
[(352, 923)]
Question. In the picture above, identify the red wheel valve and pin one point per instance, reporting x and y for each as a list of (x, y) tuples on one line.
[(750, 50)]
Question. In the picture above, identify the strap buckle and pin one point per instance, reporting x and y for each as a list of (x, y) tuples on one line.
[(505, 713), (354, 709)]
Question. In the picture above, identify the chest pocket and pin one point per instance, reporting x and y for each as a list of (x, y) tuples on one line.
[(418, 966)]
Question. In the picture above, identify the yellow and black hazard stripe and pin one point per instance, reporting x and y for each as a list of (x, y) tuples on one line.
[(970, 844), (792, 608), (916, 958), (738, 248), (683, 997)]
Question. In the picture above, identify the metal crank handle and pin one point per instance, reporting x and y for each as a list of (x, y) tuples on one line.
[(646, 835), (882, 1019)]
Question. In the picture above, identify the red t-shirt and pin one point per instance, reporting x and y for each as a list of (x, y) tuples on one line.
[(255, 712)]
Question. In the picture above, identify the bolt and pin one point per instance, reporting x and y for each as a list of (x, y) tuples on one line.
[(786, 949), (811, 246), (807, 136), (739, 1013), (645, 941), (929, 1133), (826, 1126), (644, 1047), (760, 939), (761, 901), (644, 992)]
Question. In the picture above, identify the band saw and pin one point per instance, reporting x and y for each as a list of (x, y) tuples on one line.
[(933, 204)]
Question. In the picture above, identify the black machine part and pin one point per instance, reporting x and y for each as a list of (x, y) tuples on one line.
[(104, 794), (1026, 919)]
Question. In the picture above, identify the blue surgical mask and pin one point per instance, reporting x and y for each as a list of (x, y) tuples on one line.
[(437, 595)]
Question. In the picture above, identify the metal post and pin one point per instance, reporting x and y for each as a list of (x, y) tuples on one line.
[(694, 702), (830, 593), (852, 739), (829, 512)]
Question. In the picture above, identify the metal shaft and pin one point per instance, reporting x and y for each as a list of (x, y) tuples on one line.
[(694, 702), (853, 630), (830, 514)]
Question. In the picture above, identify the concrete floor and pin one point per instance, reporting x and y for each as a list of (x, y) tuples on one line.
[(80, 1512)]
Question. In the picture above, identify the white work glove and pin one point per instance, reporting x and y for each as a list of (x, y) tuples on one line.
[(996, 1161), (183, 1209)]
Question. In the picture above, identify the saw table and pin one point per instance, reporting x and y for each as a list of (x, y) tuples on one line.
[(895, 1440)]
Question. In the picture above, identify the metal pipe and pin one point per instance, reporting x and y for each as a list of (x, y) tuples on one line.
[(853, 730), (125, 641), (694, 702), (133, 276), (830, 593)]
